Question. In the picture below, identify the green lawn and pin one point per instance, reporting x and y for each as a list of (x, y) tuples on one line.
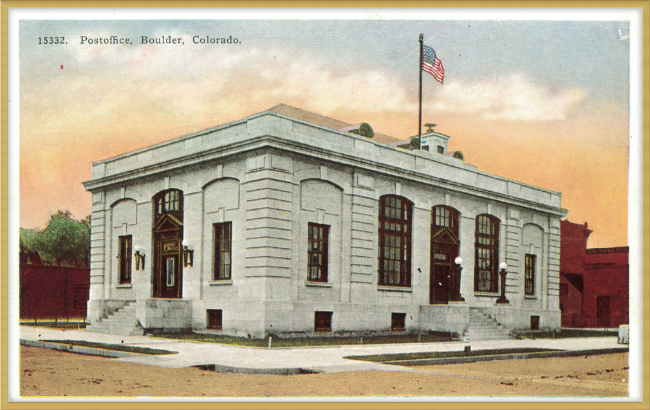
[(105, 346), (387, 358), (57, 325), (305, 341), (566, 333)]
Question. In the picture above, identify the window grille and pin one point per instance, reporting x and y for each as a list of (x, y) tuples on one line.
[(222, 251), (125, 257), (317, 243), (487, 258), (529, 274), (394, 241)]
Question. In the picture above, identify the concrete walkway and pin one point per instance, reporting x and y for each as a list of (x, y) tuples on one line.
[(242, 359)]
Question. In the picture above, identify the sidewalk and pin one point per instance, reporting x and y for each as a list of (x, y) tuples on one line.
[(243, 359)]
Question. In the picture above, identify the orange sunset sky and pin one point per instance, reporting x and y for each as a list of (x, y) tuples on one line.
[(542, 102)]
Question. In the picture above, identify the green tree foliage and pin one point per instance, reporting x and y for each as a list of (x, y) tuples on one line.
[(365, 130), (415, 143), (64, 242), (459, 155)]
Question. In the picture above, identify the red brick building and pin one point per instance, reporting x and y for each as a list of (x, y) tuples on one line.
[(594, 285), (51, 292)]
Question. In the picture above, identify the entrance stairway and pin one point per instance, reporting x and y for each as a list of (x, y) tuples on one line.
[(484, 327), (120, 322)]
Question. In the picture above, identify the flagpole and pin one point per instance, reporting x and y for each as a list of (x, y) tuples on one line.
[(420, 116)]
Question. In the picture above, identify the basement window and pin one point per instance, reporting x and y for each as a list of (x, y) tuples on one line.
[(214, 319), (398, 322), (323, 321), (534, 323)]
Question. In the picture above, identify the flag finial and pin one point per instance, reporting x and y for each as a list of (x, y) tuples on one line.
[(421, 36)]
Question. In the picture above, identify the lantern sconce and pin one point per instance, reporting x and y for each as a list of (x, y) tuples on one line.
[(188, 254), (139, 258)]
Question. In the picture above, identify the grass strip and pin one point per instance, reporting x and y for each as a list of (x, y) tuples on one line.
[(568, 333), (382, 358), (56, 325), (118, 348), (303, 341)]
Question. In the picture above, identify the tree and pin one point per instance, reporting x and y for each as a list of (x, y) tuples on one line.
[(64, 242), (365, 130), (459, 155)]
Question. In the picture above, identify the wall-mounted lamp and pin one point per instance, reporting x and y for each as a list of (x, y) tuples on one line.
[(502, 300), (188, 254), (139, 258)]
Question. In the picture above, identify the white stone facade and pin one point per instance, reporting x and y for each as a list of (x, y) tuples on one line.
[(270, 176)]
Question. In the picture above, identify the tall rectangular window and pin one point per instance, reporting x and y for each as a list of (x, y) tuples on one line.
[(394, 241), (170, 271), (529, 274), (125, 243), (487, 254), (317, 252), (222, 251)]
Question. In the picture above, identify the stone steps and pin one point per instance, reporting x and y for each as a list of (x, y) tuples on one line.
[(483, 327), (121, 322)]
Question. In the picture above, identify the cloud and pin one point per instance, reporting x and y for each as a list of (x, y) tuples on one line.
[(513, 98)]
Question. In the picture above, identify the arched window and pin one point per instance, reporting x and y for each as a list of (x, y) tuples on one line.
[(487, 254), (395, 214), (168, 202), (445, 217)]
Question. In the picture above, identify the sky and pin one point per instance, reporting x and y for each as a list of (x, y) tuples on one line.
[(541, 102)]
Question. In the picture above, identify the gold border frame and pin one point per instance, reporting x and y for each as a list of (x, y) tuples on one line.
[(645, 169)]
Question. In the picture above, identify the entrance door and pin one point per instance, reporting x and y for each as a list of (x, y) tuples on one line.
[(440, 283), (167, 250), (444, 249), (167, 275), (603, 311)]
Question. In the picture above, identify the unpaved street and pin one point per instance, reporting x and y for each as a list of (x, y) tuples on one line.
[(52, 373)]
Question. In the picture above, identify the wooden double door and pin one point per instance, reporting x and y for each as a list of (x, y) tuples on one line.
[(444, 250), (168, 256)]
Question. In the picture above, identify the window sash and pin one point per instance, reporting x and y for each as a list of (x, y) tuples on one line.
[(317, 252), (487, 254), (529, 274), (170, 271), (125, 257), (222, 251), (394, 241), (445, 217), (170, 201)]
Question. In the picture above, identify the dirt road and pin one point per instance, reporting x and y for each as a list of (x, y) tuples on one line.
[(51, 373)]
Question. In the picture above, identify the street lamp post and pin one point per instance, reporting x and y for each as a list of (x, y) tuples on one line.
[(502, 300), (455, 286)]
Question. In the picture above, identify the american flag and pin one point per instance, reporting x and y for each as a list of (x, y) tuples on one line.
[(432, 65)]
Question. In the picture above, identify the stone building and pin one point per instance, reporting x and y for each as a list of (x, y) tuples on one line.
[(280, 223)]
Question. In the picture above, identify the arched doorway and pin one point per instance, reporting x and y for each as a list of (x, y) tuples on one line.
[(167, 250), (444, 250)]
